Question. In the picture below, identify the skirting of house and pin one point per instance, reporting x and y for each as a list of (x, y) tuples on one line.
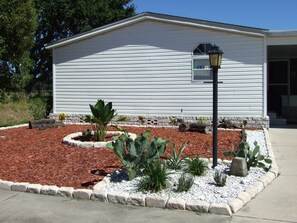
[(159, 121)]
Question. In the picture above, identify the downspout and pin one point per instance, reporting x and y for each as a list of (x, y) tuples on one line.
[(265, 80), (54, 80)]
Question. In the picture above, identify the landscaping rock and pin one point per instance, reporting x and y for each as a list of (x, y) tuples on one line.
[(239, 167), (136, 199), (49, 190), (235, 204), (5, 185), (118, 197), (65, 191), (245, 197), (82, 194), (99, 186), (196, 205), (155, 201), (254, 189), (222, 209), (195, 127), (176, 203), (45, 124), (34, 188), (19, 187), (99, 196)]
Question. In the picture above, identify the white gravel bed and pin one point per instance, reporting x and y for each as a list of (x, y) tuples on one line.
[(204, 187)]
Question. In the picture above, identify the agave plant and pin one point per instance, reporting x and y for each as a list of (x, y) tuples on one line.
[(102, 115)]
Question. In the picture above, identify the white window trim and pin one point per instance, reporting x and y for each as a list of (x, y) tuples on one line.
[(197, 57)]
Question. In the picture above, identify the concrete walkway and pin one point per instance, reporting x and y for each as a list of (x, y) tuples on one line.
[(276, 203)]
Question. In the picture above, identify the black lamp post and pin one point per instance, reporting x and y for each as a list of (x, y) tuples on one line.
[(215, 60)]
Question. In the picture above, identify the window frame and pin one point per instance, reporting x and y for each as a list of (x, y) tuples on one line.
[(201, 57)]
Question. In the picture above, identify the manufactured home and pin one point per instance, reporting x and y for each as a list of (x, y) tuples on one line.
[(156, 66)]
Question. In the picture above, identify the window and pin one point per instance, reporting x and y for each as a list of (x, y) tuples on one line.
[(200, 63)]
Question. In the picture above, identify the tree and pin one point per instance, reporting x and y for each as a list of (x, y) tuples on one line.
[(18, 21), (64, 18)]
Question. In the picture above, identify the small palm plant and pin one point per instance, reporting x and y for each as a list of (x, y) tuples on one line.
[(102, 115)]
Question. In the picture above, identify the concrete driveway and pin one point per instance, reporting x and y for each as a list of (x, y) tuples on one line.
[(276, 203)]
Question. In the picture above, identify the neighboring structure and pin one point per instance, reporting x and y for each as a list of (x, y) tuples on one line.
[(156, 66)]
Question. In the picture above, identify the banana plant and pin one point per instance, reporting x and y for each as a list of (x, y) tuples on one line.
[(102, 115)]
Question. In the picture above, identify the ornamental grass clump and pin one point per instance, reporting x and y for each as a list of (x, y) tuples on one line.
[(156, 177), (220, 178), (196, 166), (185, 182)]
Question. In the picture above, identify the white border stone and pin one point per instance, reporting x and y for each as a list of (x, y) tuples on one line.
[(86, 145)]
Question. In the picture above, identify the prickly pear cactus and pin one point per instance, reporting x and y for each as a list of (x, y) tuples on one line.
[(136, 154)]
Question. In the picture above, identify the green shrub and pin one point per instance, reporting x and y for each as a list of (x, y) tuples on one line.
[(38, 107), (136, 154), (141, 119), (196, 166), (175, 159), (156, 177), (220, 178), (185, 182), (62, 116)]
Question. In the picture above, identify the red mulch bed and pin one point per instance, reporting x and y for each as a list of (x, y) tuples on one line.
[(39, 156)]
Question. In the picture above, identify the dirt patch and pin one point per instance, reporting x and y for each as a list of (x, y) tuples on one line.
[(39, 156)]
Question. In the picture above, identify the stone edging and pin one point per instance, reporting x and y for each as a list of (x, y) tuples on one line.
[(70, 141), (99, 194)]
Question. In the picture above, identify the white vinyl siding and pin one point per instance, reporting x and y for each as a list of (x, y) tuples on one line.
[(146, 69)]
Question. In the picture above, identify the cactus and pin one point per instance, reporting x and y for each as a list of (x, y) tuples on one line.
[(253, 157), (137, 154)]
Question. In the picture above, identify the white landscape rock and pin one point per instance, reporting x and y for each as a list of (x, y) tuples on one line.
[(20, 186), (136, 199), (49, 190), (197, 205), (99, 196), (245, 197), (5, 185), (155, 201), (222, 209), (176, 203), (82, 194), (34, 188), (65, 191), (235, 204)]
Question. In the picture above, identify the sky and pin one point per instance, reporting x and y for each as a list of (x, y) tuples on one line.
[(266, 14)]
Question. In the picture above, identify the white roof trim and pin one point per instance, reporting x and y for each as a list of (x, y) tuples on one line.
[(139, 18), (94, 33), (207, 26), (283, 33)]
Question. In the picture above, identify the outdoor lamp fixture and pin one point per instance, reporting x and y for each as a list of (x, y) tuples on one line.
[(215, 60)]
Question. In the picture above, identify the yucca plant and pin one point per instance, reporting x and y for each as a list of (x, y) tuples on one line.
[(102, 115), (185, 182), (175, 159), (156, 177), (196, 166)]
